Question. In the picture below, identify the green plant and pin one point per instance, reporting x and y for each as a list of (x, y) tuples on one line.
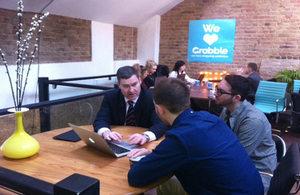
[(288, 76)]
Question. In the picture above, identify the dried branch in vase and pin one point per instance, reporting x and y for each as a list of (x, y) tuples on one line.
[(22, 52)]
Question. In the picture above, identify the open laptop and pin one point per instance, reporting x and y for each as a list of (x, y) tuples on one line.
[(94, 140), (201, 77), (181, 77)]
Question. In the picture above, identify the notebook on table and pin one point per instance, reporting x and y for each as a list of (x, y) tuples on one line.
[(94, 140), (181, 77), (68, 136)]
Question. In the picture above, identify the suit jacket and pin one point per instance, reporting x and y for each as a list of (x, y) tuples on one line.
[(254, 79), (113, 112)]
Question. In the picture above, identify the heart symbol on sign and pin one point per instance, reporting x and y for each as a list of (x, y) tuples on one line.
[(210, 39)]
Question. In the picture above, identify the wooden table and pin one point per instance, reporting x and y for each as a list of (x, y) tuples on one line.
[(201, 93), (57, 160)]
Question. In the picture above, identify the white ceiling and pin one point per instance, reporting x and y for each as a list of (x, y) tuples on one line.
[(121, 12)]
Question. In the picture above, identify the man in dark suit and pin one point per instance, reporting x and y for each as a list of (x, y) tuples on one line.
[(115, 109), (253, 77)]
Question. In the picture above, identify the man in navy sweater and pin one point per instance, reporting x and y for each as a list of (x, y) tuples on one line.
[(200, 149)]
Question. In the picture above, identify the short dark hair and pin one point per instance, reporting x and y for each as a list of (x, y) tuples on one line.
[(239, 85), (253, 66), (173, 94), (126, 72), (177, 65)]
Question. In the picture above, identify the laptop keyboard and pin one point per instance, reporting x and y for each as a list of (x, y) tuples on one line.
[(117, 149)]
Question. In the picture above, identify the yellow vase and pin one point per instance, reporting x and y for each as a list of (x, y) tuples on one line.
[(20, 144)]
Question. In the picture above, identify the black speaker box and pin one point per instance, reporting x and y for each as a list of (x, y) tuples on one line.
[(77, 184)]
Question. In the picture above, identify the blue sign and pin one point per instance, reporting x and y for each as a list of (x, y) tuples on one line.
[(211, 41)]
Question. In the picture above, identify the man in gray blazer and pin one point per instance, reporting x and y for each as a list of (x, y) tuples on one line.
[(249, 124)]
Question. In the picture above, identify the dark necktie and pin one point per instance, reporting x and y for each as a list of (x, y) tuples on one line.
[(130, 120)]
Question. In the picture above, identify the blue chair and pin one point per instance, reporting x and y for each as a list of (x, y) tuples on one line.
[(296, 86), (270, 97)]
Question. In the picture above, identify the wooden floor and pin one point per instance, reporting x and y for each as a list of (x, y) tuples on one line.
[(289, 137), (284, 125)]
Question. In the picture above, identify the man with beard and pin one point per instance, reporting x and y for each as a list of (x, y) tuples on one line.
[(249, 124)]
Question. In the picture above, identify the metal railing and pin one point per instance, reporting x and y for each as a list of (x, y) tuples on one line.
[(20, 183), (45, 103)]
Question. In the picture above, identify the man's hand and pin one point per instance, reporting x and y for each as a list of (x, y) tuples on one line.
[(138, 152), (240, 71), (191, 83), (112, 135), (137, 139)]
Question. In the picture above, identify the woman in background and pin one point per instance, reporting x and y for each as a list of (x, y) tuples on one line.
[(143, 76), (178, 69), (142, 71), (151, 67), (138, 68)]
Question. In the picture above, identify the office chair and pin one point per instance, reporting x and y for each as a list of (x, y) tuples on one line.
[(295, 112), (287, 173), (270, 97), (296, 88), (280, 146)]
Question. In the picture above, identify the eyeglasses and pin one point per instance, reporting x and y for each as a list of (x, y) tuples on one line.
[(220, 92)]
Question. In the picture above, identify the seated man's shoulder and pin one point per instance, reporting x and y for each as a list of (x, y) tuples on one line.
[(202, 120), (253, 112), (254, 116), (208, 117), (146, 92), (113, 96), (112, 91)]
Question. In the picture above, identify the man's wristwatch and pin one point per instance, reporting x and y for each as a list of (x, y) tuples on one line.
[(146, 136)]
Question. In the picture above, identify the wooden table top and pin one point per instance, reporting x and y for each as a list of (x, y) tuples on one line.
[(58, 159), (199, 92)]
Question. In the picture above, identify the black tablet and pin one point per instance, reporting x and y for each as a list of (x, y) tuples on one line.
[(68, 136)]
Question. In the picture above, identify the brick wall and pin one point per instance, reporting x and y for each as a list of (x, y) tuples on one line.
[(269, 67), (125, 43), (63, 39), (265, 30)]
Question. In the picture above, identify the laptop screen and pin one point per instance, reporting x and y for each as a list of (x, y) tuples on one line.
[(181, 77), (201, 77)]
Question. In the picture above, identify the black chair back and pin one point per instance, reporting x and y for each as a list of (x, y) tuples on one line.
[(295, 112), (162, 70), (287, 173), (296, 101)]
